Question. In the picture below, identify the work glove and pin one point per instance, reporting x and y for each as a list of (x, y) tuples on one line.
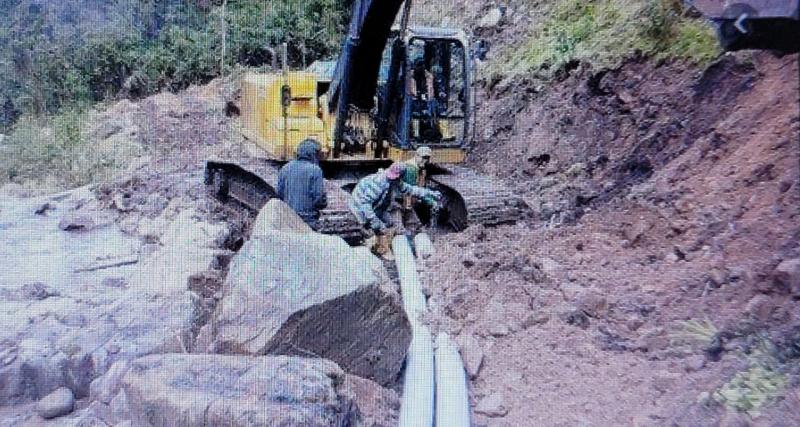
[(432, 198)]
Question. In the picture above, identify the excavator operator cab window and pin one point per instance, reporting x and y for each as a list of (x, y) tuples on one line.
[(436, 89)]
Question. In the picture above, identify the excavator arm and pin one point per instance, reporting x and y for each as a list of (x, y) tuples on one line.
[(370, 25)]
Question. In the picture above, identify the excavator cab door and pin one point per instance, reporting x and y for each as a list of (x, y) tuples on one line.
[(436, 106)]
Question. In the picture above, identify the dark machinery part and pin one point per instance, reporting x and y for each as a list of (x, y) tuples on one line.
[(253, 186), (473, 198), (754, 24)]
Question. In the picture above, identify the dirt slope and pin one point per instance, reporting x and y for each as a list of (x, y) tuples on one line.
[(663, 194)]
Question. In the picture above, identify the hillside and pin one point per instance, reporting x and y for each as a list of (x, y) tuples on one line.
[(656, 282)]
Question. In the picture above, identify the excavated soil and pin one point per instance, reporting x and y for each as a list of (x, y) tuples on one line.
[(664, 196)]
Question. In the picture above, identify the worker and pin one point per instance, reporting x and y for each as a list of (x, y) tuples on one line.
[(421, 84), (425, 103), (372, 199), (301, 185), (416, 168), (416, 172)]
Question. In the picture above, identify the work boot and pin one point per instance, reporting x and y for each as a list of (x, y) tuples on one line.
[(384, 246)]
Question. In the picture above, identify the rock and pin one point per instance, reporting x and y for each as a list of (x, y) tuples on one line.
[(43, 208), (717, 277), (122, 203), (37, 291), (104, 388), (760, 307), (491, 19), (378, 406), (694, 363), (313, 295), (56, 404), (635, 232), (471, 354), (200, 389), (492, 406), (576, 317), (652, 340), (535, 319), (592, 303), (663, 381), (498, 328), (787, 274), (76, 222), (278, 216)]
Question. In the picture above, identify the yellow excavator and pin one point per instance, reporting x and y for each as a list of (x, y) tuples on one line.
[(392, 90)]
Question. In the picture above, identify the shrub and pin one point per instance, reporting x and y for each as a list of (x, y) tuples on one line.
[(604, 33)]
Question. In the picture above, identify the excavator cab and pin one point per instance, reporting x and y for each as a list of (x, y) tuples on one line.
[(423, 89)]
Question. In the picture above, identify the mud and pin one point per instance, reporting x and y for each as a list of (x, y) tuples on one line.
[(666, 197)]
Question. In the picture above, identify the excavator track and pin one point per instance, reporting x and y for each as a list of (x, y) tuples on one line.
[(473, 198), (252, 183)]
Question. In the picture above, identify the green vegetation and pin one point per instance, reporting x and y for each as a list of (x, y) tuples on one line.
[(73, 53), (58, 58), (54, 152), (763, 382), (604, 33), (691, 335)]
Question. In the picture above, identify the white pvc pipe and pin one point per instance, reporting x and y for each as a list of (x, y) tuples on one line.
[(423, 246), (413, 298), (452, 401), (416, 408)]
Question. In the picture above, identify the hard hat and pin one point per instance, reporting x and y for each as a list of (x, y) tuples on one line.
[(424, 151), (395, 171)]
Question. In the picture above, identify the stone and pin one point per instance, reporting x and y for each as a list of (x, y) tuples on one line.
[(535, 319), (653, 339), (201, 389), (491, 19), (278, 216), (37, 291), (378, 406), (498, 328), (103, 389), (634, 232), (492, 406), (122, 203), (787, 274), (694, 363), (717, 277), (43, 208), (663, 381), (471, 354), (592, 303), (313, 295), (56, 404), (76, 222), (760, 307)]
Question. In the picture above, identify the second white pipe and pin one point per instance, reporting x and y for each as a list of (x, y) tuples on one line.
[(416, 407)]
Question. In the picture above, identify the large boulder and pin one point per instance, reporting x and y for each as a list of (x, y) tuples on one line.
[(200, 389), (278, 216), (313, 295)]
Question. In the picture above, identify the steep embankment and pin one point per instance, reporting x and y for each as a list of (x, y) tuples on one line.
[(654, 284)]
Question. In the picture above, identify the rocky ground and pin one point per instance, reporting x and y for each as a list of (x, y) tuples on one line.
[(660, 270), (656, 282), (139, 302)]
